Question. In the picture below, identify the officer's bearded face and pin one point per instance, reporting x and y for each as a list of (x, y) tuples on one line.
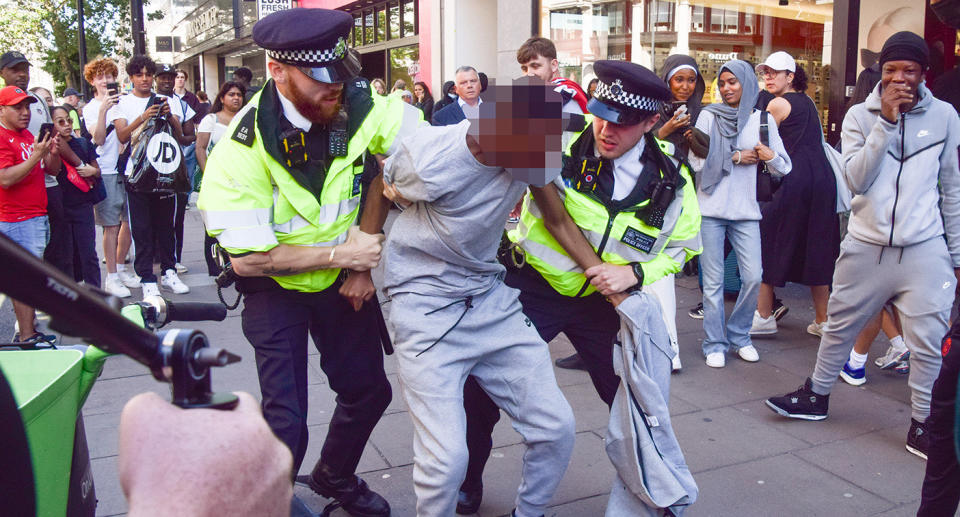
[(318, 102)]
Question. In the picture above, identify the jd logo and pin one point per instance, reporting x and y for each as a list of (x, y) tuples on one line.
[(163, 153)]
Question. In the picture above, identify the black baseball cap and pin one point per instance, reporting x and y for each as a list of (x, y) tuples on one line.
[(315, 40), (165, 69), (12, 58)]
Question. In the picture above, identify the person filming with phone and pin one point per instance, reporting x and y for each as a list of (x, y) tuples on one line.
[(23, 196)]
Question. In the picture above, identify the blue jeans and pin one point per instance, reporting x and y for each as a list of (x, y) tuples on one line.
[(32, 233), (745, 238)]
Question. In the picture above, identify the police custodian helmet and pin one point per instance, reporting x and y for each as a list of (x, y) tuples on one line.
[(314, 40), (626, 92)]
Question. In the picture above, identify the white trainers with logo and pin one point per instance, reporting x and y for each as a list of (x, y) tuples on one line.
[(129, 279), (180, 268), (763, 326), (171, 281), (115, 287), (150, 289)]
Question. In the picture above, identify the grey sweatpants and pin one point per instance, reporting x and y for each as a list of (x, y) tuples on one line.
[(499, 346), (920, 283)]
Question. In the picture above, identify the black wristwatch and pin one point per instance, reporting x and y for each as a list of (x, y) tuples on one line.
[(637, 272)]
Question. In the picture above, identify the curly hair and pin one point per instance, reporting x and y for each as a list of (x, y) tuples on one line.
[(799, 83), (98, 67), (138, 63)]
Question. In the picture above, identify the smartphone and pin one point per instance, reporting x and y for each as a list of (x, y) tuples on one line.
[(159, 101), (45, 130), (113, 88)]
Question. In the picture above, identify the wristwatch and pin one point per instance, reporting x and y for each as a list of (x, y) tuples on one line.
[(637, 272)]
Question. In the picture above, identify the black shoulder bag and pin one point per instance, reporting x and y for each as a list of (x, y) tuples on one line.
[(766, 183)]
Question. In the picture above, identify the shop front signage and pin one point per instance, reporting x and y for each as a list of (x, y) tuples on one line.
[(265, 7), (721, 57), (203, 22)]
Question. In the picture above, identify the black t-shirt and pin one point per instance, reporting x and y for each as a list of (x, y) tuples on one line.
[(72, 196)]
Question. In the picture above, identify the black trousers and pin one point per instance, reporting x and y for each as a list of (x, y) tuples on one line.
[(276, 323), (181, 211), (151, 224), (58, 251), (81, 234), (941, 484), (591, 324)]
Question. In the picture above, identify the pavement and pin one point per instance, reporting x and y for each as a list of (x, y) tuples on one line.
[(745, 459)]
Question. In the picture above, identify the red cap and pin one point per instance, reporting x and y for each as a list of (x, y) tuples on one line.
[(13, 95)]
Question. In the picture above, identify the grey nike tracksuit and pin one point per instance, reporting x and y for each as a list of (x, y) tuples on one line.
[(904, 236)]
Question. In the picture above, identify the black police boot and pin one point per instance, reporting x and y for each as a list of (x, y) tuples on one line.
[(468, 501), (571, 362), (349, 492)]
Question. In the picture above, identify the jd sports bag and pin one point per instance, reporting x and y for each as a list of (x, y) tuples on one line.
[(157, 163)]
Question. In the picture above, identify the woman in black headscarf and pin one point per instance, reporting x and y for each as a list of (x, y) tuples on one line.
[(447, 96), (676, 124)]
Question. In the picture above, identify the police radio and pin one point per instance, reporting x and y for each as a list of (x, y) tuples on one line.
[(339, 135), (660, 199), (294, 147)]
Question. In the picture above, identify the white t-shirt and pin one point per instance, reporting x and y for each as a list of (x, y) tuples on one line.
[(130, 107), (626, 171), (109, 152), (210, 124)]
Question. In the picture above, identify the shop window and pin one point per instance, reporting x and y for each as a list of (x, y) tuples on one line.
[(381, 21), (610, 17), (403, 63), (394, 26), (660, 16), (409, 18), (368, 27), (697, 20), (357, 37)]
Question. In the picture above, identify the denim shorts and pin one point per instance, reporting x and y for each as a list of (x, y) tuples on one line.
[(33, 234)]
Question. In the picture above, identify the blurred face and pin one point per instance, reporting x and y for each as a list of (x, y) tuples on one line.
[(17, 75), (318, 102), (682, 84), (72, 100), (592, 88), (232, 100), (730, 88), (541, 67), (62, 123), (180, 81), (100, 82), (45, 95), (776, 82), (907, 74), (16, 117), (165, 83), (468, 86), (142, 83), (379, 87), (418, 91), (614, 140)]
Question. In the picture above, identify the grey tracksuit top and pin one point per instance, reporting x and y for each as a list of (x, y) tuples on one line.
[(904, 176)]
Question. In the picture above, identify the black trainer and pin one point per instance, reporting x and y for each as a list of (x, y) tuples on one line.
[(918, 441), (571, 362), (803, 403), (350, 493), (779, 309), (468, 501), (696, 312)]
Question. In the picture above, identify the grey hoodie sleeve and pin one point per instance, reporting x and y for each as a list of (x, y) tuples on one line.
[(950, 188), (400, 170), (780, 164), (864, 151)]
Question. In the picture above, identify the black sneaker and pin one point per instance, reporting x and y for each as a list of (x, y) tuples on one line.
[(696, 312), (468, 501), (350, 493), (803, 403), (571, 362), (918, 441), (779, 309)]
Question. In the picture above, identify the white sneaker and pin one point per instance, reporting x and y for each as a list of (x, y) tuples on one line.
[(816, 329), (716, 360), (150, 289), (129, 279), (749, 353), (180, 268), (171, 281), (763, 326), (115, 287), (676, 363)]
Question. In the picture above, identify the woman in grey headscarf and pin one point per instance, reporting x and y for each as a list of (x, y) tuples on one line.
[(727, 193)]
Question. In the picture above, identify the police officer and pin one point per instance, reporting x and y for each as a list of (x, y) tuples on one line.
[(625, 217), (281, 194)]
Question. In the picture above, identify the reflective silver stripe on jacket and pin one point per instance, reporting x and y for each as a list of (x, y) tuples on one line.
[(223, 219), (247, 237), (328, 214)]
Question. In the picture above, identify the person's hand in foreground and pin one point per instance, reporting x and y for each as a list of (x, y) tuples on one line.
[(202, 462)]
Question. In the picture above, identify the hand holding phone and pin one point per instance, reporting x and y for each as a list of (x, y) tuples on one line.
[(46, 129), (113, 89)]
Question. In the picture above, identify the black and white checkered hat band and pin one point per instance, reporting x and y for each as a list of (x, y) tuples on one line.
[(615, 93), (312, 58)]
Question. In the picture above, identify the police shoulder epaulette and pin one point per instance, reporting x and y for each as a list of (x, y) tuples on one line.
[(244, 132)]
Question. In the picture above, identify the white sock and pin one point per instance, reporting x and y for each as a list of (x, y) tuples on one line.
[(121, 268), (898, 344), (112, 276), (856, 360)]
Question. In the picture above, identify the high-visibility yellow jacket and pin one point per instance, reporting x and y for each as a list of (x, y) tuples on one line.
[(618, 234), (251, 201)]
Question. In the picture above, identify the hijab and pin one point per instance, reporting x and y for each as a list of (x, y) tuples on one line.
[(671, 65), (729, 122)]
